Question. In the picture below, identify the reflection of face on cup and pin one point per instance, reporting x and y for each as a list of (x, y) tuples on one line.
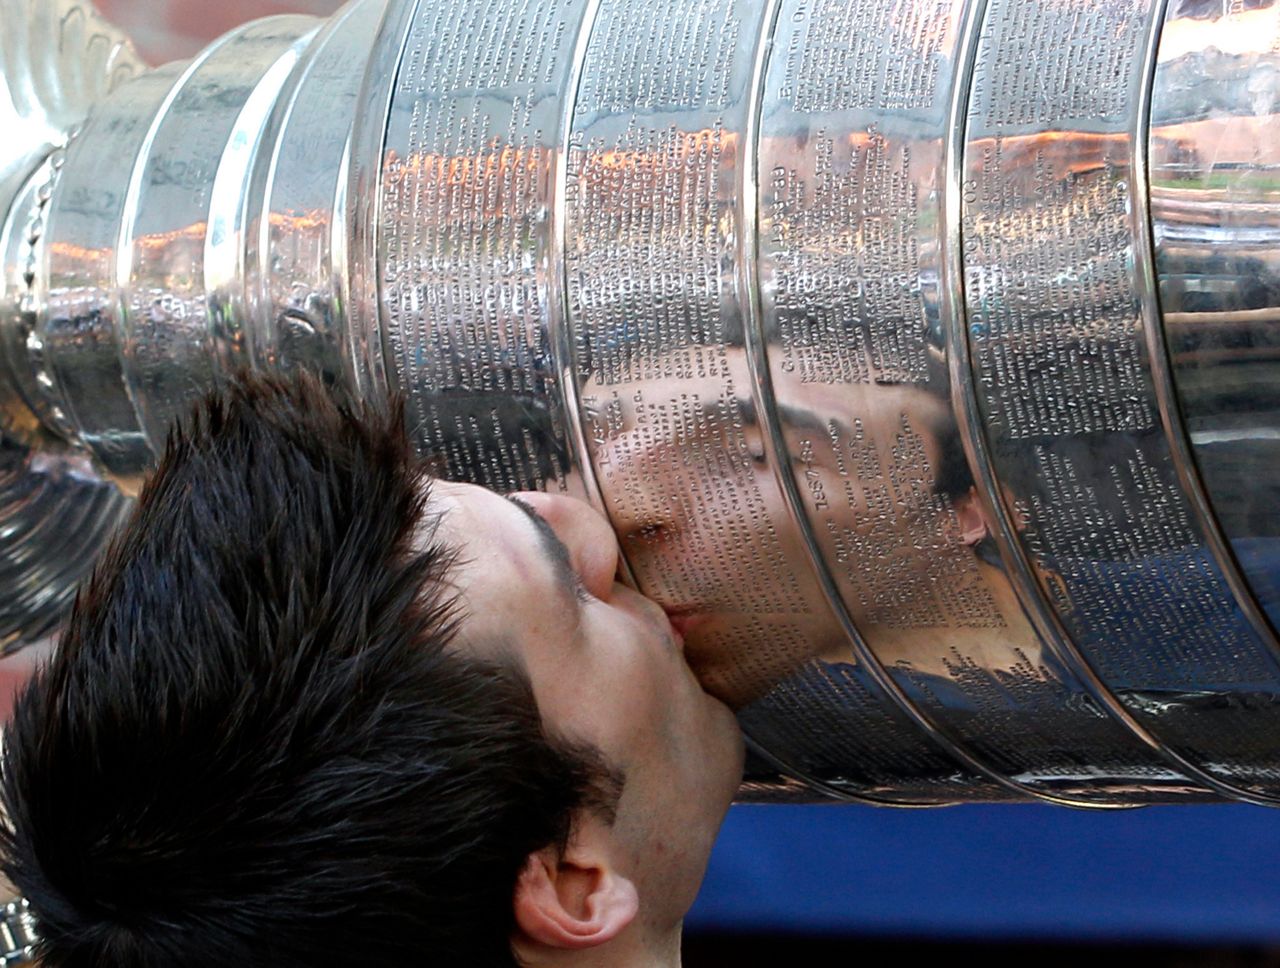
[(886, 493), (896, 511), (682, 466)]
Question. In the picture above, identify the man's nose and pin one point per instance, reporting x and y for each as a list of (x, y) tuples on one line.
[(586, 533)]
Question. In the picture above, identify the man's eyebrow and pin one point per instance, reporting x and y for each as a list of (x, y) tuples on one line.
[(555, 551)]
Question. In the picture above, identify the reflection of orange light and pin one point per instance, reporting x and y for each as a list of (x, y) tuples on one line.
[(195, 232), (68, 250), (1070, 139), (316, 219), (470, 169), (1068, 151), (686, 143), (159, 240), (1243, 32), (461, 169)]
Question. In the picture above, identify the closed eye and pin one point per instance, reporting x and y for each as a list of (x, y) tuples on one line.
[(557, 555)]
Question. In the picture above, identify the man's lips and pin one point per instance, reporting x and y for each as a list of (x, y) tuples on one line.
[(686, 623)]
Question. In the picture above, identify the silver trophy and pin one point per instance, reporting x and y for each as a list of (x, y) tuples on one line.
[(925, 354)]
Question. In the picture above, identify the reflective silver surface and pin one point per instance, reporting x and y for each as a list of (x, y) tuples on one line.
[(922, 354), (1215, 196), (56, 61)]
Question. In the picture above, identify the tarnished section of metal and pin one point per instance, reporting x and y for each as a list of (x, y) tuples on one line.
[(947, 435)]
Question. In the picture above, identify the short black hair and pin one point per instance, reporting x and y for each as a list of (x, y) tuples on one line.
[(254, 745)]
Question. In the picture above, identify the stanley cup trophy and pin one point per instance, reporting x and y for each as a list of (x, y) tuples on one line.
[(924, 354)]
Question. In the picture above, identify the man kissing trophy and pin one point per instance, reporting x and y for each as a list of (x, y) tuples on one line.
[(923, 356)]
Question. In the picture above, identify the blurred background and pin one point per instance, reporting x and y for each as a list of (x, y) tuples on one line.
[(825, 884)]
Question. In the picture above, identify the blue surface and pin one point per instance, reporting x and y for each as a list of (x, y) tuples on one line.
[(1202, 874)]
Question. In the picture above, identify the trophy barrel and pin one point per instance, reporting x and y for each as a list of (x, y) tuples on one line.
[(924, 355), (56, 61)]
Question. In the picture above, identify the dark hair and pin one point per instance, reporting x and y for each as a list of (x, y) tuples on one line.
[(254, 746)]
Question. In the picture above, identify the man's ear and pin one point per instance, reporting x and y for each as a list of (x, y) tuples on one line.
[(573, 900)]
